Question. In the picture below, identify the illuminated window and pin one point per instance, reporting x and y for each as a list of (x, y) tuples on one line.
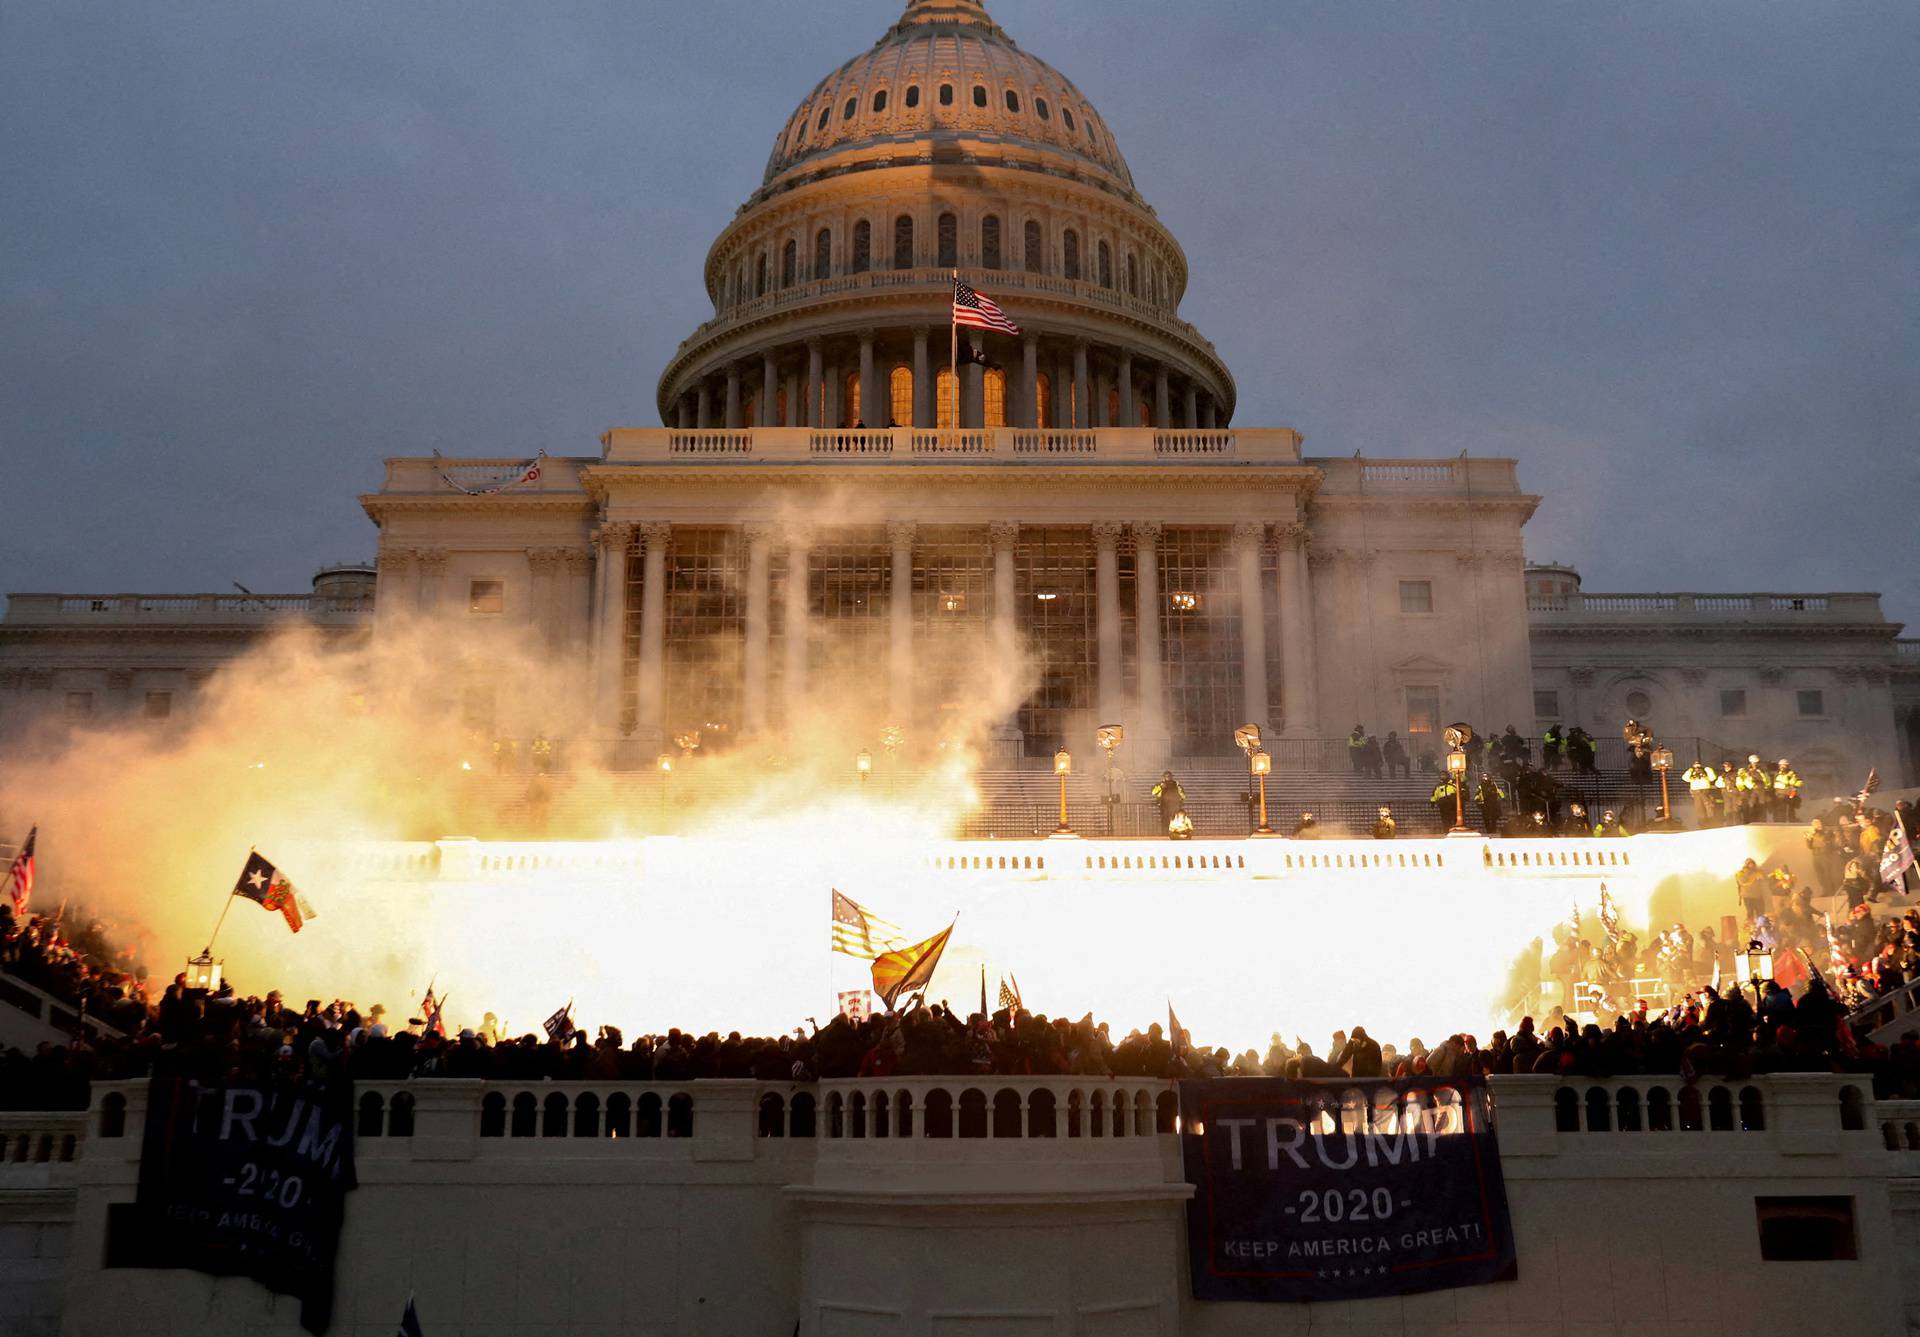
[(1423, 710), (1416, 596), (822, 253), (850, 402), (1070, 253), (849, 582), (1043, 401), (1113, 409), (944, 411), (903, 242), (994, 391), (952, 584), (862, 247), (1054, 613), (948, 232), (487, 596), (900, 388), (705, 625), (1143, 415)]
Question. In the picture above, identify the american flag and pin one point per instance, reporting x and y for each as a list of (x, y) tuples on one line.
[(859, 932), (21, 874), (432, 1008), (1010, 996), (970, 308)]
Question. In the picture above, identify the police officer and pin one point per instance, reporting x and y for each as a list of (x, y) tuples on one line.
[(1700, 780), (1445, 802), (1491, 795), (1551, 742), (1755, 788), (1356, 748), (1786, 793)]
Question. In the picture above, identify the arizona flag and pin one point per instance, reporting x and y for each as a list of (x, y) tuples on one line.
[(20, 874), (271, 889), (908, 969)]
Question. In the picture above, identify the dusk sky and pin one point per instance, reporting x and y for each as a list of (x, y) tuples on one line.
[(1667, 255)]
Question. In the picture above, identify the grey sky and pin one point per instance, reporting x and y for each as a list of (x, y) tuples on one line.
[(1666, 254)]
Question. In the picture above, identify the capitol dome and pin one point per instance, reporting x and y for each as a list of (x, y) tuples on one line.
[(945, 148)]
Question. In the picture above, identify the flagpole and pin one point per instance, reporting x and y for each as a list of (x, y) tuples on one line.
[(953, 353), (218, 922)]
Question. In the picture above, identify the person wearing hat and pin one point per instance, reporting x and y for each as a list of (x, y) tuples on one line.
[(1786, 792), (1701, 780), (1609, 825), (1384, 827)]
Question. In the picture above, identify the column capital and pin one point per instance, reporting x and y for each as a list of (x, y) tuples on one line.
[(1106, 533), (656, 533), (798, 534), (759, 531), (1147, 532), (1003, 533), (1249, 533), (1292, 536), (579, 561), (545, 561), (433, 561), (396, 560), (614, 534), (900, 533)]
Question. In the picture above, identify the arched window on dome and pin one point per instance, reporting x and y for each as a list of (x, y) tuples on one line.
[(1066, 115), (760, 275), (994, 402), (823, 254), (948, 229), (862, 247), (903, 242), (943, 399), (1133, 275), (1043, 401), (1013, 102), (1070, 253), (824, 113), (913, 96), (946, 95), (990, 242), (1040, 109), (880, 100), (980, 96), (1036, 256), (900, 396), (789, 263), (850, 402), (1106, 265), (846, 112)]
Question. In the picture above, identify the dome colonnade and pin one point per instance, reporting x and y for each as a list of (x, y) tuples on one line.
[(945, 147)]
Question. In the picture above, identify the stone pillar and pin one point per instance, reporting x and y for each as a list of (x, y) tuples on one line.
[(653, 629), (1106, 609), (831, 415), (578, 620), (924, 414), (1029, 413), (1146, 623), (865, 412), (682, 415), (1062, 395), (1082, 390), (900, 621), (1190, 418), (733, 398), (433, 570), (1162, 417), (973, 395), (810, 412), (547, 607), (703, 413), (769, 393), (610, 622), (1129, 416), (1102, 412), (753, 690), (396, 591), (799, 605), (794, 385), (1247, 539), (1296, 631), (1209, 414)]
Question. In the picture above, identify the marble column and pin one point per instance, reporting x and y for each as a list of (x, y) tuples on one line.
[(1209, 414), (733, 398), (1129, 416), (653, 629), (578, 620), (1146, 632), (1190, 416), (799, 606), (1162, 417), (973, 395), (547, 607), (1296, 631), (1062, 395), (753, 689), (816, 376), (769, 393), (792, 416), (433, 569), (1106, 612), (703, 411), (610, 618), (1082, 389), (682, 414), (1247, 538), (1102, 409), (1029, 411), (923, 382), (833, 414), (900, 621), (866, 411)]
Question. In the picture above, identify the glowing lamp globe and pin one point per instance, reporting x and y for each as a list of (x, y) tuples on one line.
[(1063, 762), (1757, 961), (203, 972), (1663, 759), (1262, 762), (1456, 763)]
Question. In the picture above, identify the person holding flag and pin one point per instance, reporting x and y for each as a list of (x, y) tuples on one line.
[(432, 1011), (909, 970), (265, 885), (559, 1027), (20, 874)]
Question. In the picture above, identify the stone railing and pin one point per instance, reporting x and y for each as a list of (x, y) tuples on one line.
[(1349, 476), (645, 445), (38, 1148), (1710, 607), (1907, 651), (207, 609)]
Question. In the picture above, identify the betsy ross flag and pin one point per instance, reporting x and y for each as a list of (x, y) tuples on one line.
[(857, 931), (970, 308), (1010, 997), (560, 1025), (909, 969), (20, 874), (271, 889), (410, 1322)]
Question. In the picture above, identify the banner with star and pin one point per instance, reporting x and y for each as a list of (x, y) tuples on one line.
[(271, 889), (1306, 1190)]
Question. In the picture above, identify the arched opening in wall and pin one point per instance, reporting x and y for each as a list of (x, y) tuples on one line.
[(1070, 253), (822, 253), (990, 241), (946, 95), (780, 408), (789, 263), (947, 232), (1106, 265), (980, 96), (760, 275), (846, 112), (1133, 275), (994, 385), (750, 409), (850, 402), (1035, 248), (862, 247), (944, 409), (903, 242), (900, 396), (821, 124), (1043, 401), (1142, 413), (913, 96), (1113, 409), (880, 100)]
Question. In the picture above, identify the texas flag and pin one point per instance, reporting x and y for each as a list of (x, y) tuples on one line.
[(266, 885)]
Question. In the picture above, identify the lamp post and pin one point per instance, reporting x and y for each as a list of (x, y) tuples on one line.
[(1457, 772), (1663, 762), (1757, 963), (863, 763), (1262, 762), (1109, 737), (1063, 767), (203, 972)]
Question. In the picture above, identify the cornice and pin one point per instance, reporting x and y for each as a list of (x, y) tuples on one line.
[(377, 503), (1704, 630), (609, 480)]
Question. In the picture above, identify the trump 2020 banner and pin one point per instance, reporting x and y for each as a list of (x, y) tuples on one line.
[(1342, 1190), (245, 1179)]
